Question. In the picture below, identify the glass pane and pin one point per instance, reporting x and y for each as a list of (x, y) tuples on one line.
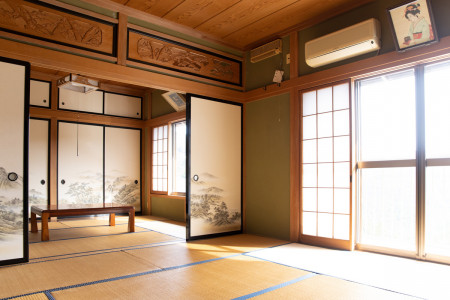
[(309, 151), (342, 201), (325, 200), (387, 114), (164, 162), (309, 223), (437, 107), (155, 133), (341, 122), (342, 175), (160, 145), (309, 175), (388, 207), (179, 170), (341, 227), (324, 100), (165, 131), (437, 212), (309, 199), (309, 103), (342, 148), (341, 97), (325, 125), (160, 132), (325, 150), (155, 146), (325, 175), (155, 185), (325, 225), (309, 127)]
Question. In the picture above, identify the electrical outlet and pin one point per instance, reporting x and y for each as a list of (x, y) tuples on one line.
[(288, 58)]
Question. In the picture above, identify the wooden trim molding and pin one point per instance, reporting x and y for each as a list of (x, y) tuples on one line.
[(294, 165), (51, 59), (163, 120), (156, 51), (51, 23)]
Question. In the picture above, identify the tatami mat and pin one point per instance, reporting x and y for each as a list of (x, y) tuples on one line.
[(40, 296), (222, 279), (100, 243), (51, 225), (324, 288), (28, 278), (417, 278), (185, 253), (173, 228), (70, 233)]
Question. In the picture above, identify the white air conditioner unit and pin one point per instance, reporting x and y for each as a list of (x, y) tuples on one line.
[(265, 51), (355, 40), (176, 100)]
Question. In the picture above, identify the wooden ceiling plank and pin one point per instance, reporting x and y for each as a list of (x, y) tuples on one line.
[(195, 12), (154, 7), (241, 15), (289, 19)]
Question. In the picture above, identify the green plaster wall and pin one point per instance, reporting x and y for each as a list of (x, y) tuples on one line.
[(261, 73), (91, 7), (160, 106), (170, 208), (378, 10), (267, 167)]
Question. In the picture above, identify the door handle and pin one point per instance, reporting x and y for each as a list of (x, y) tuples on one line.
[(195, 178)]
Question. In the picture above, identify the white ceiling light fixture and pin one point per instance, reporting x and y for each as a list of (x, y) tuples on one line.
[(78, 83)]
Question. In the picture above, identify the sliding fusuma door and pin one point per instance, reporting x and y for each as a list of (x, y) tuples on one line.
[(214, 167), (14, 97)]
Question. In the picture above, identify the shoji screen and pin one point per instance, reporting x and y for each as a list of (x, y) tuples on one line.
[(326, 156), (38, 161), (14, 99), (214, 167), (80, 163), (123, 166)]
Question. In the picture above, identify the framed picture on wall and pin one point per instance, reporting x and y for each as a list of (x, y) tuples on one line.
[(412, 24)]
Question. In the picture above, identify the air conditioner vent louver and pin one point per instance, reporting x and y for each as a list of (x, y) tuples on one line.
[(265, 51)]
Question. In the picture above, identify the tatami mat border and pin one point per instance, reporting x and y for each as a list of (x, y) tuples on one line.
[(139, 274), (49, 295), (318, 273), (111, 250), (275, 287)]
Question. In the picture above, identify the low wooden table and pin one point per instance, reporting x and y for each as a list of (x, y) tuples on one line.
[(47, 211)]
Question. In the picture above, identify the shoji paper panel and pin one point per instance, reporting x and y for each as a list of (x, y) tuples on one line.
[(38, 162)]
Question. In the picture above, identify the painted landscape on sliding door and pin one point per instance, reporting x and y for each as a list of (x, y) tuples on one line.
[(13, 166)]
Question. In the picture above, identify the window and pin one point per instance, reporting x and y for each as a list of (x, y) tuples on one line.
[(403, 158), (159, 162), (178, 177), (326, 206), (169, 159)]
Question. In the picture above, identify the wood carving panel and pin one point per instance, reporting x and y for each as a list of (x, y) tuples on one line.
[(55, 25), (171, 55)]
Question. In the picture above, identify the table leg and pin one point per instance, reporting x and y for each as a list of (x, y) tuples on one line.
[(33, 222), (44, 233), (131, 220), (112, 219)]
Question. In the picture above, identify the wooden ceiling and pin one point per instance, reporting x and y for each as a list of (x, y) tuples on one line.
[(243, 24)]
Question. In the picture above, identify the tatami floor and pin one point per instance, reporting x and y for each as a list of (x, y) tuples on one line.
[(87, 259)]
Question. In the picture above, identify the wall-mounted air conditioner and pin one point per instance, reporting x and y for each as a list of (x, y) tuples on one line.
[(355, 40), (265, 51)]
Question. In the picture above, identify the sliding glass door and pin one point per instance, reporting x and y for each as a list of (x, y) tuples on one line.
[(403, 162)]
